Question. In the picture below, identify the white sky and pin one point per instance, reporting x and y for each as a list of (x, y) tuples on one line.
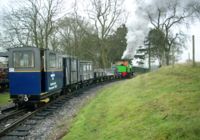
[(131, 22), (194, 30)]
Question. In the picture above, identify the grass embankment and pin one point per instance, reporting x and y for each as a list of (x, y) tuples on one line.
[(159, 105), (4, 98)]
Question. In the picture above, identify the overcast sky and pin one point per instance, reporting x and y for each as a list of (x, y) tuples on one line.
[(136, 27)]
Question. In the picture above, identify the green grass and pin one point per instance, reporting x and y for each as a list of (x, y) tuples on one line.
[(160, 105), (4, 98)]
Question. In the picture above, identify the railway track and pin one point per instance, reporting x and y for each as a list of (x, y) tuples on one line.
[(13, 121), (7, 108), (6, 116), (23, 121), (16, 125)]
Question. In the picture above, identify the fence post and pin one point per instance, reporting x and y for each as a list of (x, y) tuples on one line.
[(193, 50)]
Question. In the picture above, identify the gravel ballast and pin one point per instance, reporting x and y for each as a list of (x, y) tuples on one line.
[(55, 126)]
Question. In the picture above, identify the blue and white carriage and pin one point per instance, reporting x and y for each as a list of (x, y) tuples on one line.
[(34, 73)]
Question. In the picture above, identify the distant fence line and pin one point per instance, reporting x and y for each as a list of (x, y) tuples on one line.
[(140, 69), (137, 69)]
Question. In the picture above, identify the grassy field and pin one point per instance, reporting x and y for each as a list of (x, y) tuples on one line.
[(160, 105), (4, 98)]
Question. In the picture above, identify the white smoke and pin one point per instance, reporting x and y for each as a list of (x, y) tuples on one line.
[(137, 30), (135, 37), (139, 25)]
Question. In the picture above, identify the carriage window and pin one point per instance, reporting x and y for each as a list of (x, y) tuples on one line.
[(60, 62), (23, 59), (84, 68), (88, 67), (73, 65), (81, 67), (52, 60)]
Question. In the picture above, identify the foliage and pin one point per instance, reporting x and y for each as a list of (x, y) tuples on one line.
[(77, 38), (37, 23), (117, 43), (31, 24), (156, 40), (164, 17), (105, 15), (158, 105)]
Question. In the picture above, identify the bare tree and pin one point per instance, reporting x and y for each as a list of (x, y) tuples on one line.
[(33, 23), (105, 14), (165, 18)]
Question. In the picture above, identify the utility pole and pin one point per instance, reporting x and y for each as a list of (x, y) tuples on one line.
[(193, 49), (149, 57)]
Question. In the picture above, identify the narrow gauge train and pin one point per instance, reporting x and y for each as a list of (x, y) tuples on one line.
[(123, 69), (39, 74)]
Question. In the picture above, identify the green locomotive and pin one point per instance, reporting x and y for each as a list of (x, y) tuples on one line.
[(123, 69)]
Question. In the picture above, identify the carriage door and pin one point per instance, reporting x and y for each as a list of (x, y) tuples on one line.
[(54, 71), (43, 69)]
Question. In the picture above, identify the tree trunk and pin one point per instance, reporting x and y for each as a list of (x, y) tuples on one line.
[(167, 58), (103, 58)]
